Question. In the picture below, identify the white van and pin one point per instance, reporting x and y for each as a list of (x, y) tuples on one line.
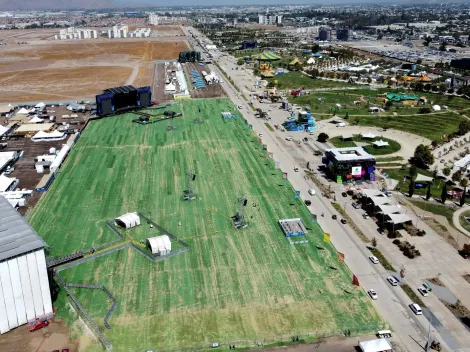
[(341, 124), (416, 309), (289, 139)]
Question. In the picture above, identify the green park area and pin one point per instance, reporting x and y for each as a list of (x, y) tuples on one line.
[(367, 144), (232, 286), (298, 80)]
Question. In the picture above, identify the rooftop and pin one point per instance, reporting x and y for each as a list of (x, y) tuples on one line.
[(16, 235), (353, 153)]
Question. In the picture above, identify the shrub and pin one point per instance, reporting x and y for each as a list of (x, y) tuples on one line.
[(397, 242)]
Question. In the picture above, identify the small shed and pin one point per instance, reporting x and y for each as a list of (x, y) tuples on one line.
[(159, 245), (128, 220)]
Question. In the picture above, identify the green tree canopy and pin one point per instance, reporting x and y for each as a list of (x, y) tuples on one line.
[(422, 157)]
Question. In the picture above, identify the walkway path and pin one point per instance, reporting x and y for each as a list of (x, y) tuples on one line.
[(456, 221)]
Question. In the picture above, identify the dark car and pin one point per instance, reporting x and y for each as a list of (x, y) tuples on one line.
[(334, 217), (343, 221)]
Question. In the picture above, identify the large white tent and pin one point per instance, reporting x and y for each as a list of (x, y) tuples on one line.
[(36, 119), (45, 136), (380, 143), (399, 218), (128, 220), (368, 135), (378, 345), (160, 245), (40, 105), (23, 111), (3, 130), (7, 183)]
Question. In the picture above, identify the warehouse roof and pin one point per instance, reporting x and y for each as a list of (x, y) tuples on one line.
[(16, 235)]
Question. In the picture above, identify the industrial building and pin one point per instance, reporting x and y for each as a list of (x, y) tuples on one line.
[(343, 34), (353, 163), (24, 285), (324, 34)]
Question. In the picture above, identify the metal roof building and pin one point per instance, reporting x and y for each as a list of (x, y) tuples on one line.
[(24, 284)]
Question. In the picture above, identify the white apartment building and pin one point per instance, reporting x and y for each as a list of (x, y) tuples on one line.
[(140, 33), (153, 20), (269, 19), (156, 19), (76, 33), (118, 32)]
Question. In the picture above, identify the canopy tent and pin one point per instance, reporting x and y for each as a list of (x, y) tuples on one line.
[(390, 209), (311, 61), (368, 135), (381, 200), (436, 108), (267, 74), (40, 105), (423, 178), (23, 111), (170, 88), (399, 218), (378, 345), (44, 136), (370, 193), (401, 97), (36, 119), (128, 220), (6, 182), (268, 56), (380, 143), (160, 245), (3, 130)]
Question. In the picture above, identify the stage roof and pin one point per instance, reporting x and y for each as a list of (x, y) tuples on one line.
[(121, 90)]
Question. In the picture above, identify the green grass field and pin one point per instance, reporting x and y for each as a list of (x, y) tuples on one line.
[(393, 146), (232, 286), (296, 80)]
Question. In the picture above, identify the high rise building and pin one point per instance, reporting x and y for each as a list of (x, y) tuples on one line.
[(324, 33), (343, 34)]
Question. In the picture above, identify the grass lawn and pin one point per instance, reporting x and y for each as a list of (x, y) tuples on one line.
[(393, 146), (232, 285), (434, 208), (464, 224), (389, 159), (297, 80), (385, 263), (413, 295)]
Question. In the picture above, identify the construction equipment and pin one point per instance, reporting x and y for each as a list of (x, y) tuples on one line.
[(38, 325), (238, 220)]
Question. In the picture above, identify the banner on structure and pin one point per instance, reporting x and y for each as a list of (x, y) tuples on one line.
[(326, 237)]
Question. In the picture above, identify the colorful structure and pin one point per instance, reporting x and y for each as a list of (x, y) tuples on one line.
[(265, 58), (349, 163), (401, 97), (304, 122)]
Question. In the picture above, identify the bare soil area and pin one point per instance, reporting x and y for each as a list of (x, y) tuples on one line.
[(65, 71), (53, 337)]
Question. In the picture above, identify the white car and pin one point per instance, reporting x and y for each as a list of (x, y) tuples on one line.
[(392, 281), (372, 294), (311, 191), (374, 259), (296, 169), (423, 291), (416, 309), (260, 135), (365, 215)]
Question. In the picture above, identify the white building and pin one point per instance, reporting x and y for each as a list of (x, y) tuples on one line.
[(160, 245), (140, 33), (76, 33), (269, 19), (153, 19), (118, 32), (24, 285)]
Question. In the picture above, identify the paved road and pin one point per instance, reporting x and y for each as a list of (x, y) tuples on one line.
[(456, 220)]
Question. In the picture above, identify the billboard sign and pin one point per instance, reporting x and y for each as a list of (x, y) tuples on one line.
[(356, 171)]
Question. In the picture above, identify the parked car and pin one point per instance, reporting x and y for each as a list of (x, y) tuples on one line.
[(296, 169), (392, 281), (334, 217), (423, 291), (311, 191), (260, 135), (344, 194), (427, 287), (374, 259), (365, 215), (442, 161), (344, 221), (416, 309), (356, 205), (372, 294)]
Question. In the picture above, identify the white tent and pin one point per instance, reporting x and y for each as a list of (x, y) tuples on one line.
[(23, 111), (160, 245), (382, 200), (311, 61), (6, 182), (170, 88), (423, 178), (36, 119), (378, 345), (380, 143), (399, 218), (368, 135), (44, 136), (436, 108), (128, 220), (338, 105), (391, 209), (40, 105), (3, 130)]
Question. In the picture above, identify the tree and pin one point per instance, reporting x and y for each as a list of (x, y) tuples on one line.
[(322, 137), (443, 47), (428, 192), (427, 86), (457, 176), (444, 193), (446, 171), (419, 61), (464, 126), (411, 188), (419, 87), (369, 80), (240, 62), (374, 242), (422, 157), (271, 84), (413, 171)]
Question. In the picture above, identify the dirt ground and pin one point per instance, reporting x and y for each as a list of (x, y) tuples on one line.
[(211, 91), (73, 70), (53, 337)]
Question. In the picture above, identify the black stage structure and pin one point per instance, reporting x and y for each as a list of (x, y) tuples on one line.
[(121, 99)]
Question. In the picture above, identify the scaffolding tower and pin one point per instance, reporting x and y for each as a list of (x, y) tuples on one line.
[(238, 219), (189, 194)]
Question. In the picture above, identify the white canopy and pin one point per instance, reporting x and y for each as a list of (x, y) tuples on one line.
[(170, 87), (159, 245), (423, 178), (3, 130), (45, 135), (378, 345), (6, 182), (382, 200), (436, 107), (338, 105), (40, 105), (128, 220), (372, 193), (36, 119), (368, 135), (380, 143), (23, 111), (311, 61), (391, 209), (399, 218)]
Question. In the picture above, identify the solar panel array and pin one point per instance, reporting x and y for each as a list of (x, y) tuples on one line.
[(197, 79)]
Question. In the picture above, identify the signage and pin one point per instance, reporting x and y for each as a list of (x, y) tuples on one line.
[(356, 170)]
